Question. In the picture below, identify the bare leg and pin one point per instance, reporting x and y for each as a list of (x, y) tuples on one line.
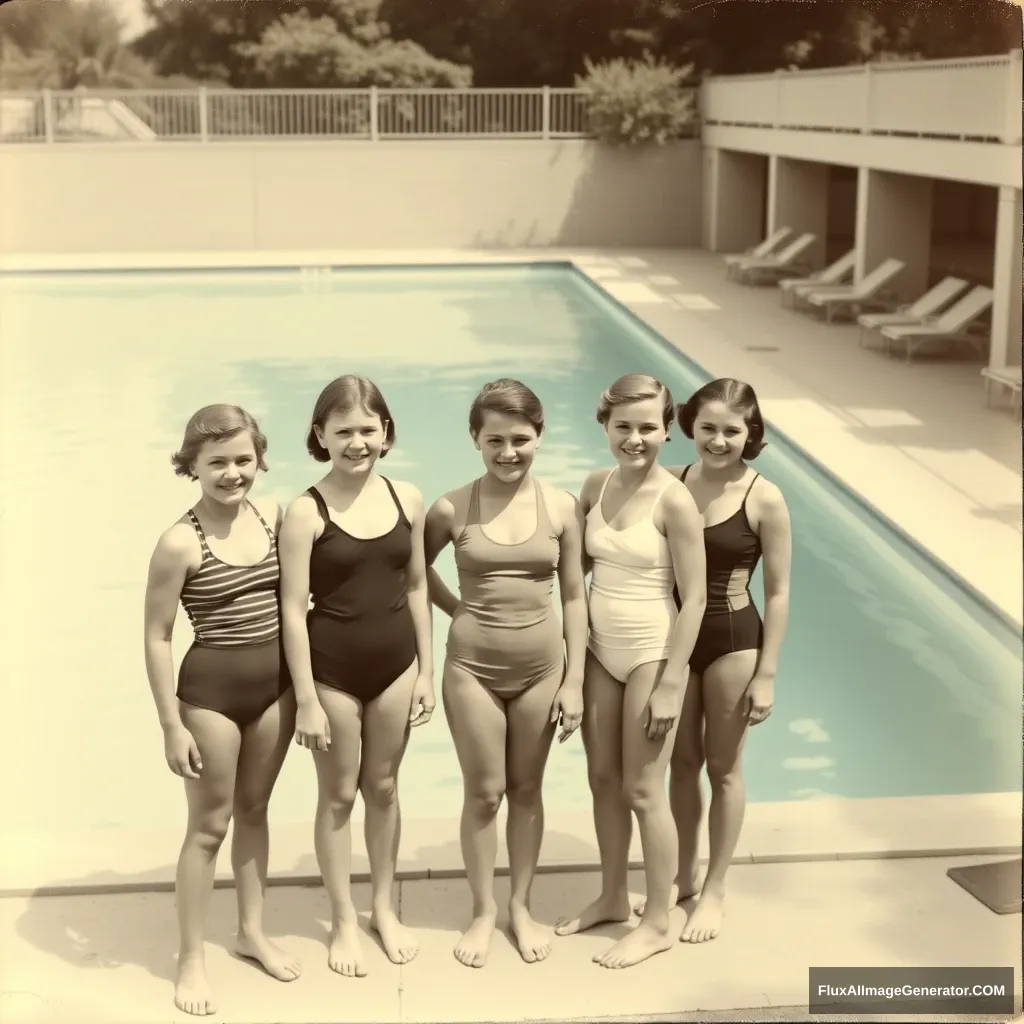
[(265, 744), (477, 722), (644, 765), (530, 732), (385, 736), (684, 794), (602, 739), (337, 771), (209, 814), (725, 687)]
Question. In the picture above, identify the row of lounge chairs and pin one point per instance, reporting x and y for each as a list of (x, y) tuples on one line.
[(945, 316)]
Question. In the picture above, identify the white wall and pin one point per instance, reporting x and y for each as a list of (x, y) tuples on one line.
[(169, 196)]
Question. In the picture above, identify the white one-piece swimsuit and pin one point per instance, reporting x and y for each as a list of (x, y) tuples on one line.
[(632, 610)]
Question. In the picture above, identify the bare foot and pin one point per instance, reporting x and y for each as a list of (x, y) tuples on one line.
[(642, 942), (706, 920), (272, 958), (675, 898), (399, 942), (475, 944), (191, 990), (533, 939), (345, 953), (601, 911)]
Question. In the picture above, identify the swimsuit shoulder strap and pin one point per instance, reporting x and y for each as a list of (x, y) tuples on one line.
[(749, 489), (394, 497), (270, 532), (604, 487), (197, 526), (544, 523), (321, 505), (661, 494)]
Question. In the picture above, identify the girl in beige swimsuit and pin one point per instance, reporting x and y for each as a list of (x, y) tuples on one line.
[(512, 670)]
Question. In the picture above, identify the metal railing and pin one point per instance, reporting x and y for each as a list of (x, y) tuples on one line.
[(208, 115), (970, 98)]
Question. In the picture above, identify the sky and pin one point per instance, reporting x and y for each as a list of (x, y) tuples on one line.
[(131, 14)]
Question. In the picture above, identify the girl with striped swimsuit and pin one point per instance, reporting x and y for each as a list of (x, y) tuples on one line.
[(228, 725)]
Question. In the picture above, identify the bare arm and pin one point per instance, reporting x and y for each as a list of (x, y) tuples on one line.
[(777, 544), (168, 570), (437, 536), (588, 496), (417, 585), (684, 530), (294, 546), (572, 586)]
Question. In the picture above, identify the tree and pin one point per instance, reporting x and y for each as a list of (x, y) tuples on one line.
[(284, 43), (534, 42), (67, 46), (302, 52)]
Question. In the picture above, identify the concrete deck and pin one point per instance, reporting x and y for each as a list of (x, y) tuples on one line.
[(915, 441), (110, 959)]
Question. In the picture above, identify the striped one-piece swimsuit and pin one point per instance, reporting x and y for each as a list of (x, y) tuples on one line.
[(236, 665)]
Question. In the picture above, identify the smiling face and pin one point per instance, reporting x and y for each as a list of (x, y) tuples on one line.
[(226, 469), (720, 435), (508, 445), (636, 432), (354, 439)]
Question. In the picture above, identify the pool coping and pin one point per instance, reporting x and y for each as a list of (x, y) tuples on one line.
[(411, 260), (42, 863)]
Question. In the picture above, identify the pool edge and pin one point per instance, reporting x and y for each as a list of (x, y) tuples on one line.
[(80, 862), (939, 564)]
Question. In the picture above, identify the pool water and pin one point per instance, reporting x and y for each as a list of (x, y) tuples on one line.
[(893, 681)]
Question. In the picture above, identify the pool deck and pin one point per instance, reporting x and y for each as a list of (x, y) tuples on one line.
[(110, 959), (916, 441)]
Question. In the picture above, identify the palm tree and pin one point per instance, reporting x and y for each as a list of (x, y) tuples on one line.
[(76, 45)]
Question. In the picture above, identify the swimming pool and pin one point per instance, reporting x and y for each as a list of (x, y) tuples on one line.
[(893, 681)]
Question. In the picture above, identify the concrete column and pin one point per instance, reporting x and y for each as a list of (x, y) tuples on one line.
[(734, 200), (798, 198), (894, 220), (1006, 284)]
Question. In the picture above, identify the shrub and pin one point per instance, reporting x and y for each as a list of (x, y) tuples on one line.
[(637, 102)]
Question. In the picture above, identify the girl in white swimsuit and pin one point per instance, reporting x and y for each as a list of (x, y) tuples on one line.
[(643, 537), (632, 610)]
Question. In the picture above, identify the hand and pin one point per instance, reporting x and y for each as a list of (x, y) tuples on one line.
[(567, 708), (181, 753), (423, 701), (664, 706), (760, 698), (312, 730)]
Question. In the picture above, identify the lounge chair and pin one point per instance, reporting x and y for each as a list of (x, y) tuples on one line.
[(930, 303), (950, 328), (761, 249), (1007, 377), (785, 261), (869, 293), (833, 274)]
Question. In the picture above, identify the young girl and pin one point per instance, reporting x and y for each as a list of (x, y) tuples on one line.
[(361, 658), (508, 676), (736, 656), (643, 538), (226, 731)]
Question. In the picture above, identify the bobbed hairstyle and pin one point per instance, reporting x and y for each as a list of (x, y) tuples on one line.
[(635, 387), (510, 398), (737, 396), (341, 396), (216, 423)]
